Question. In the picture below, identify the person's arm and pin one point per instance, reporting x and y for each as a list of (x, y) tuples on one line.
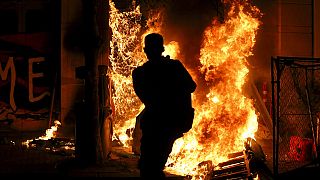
[(186, 78), (139, 85)]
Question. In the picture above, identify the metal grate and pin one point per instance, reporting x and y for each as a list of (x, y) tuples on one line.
[(295, 103)]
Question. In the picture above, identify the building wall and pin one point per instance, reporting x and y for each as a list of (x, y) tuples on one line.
[(286, 30), (296, 28), (83, 120), (316, 20), (267, 41), (29, 47), (71, 58)]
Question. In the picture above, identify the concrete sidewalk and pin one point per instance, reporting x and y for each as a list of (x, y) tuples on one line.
[(17, 162)]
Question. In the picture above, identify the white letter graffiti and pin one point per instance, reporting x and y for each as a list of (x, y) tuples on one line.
[(4, 76), (35, 75)]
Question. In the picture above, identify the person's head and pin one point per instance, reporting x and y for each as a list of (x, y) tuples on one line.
[(153, 46)]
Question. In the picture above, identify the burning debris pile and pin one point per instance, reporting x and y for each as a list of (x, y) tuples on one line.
[(50, 143), (224, 116), (242, 164), (61, 146)]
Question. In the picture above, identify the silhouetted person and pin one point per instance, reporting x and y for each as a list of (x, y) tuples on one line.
[(165, 87)]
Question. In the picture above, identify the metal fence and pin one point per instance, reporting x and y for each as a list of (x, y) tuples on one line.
[(296, 106)]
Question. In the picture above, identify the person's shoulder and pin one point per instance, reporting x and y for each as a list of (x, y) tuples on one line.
[(138, 70), (172, 61), (176, 62), (142, 68)]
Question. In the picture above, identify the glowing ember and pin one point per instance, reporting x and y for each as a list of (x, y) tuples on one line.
[(50, 133), (225, 118)]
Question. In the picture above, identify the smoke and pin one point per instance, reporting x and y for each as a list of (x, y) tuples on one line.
[(185, 22)]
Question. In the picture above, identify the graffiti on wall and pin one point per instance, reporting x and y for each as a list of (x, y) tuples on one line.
[(25, 92)]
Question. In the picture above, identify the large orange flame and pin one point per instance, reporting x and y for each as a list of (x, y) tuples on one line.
[(225, 118)]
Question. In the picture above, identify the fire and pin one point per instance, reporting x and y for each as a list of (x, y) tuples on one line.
[(225, 118), (126, 54), (50, 133)]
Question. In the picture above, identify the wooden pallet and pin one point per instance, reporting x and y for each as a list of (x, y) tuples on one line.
[(240, 165), (236, 167)]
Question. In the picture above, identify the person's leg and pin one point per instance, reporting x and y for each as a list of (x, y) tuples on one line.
[(151, 153), (167, 142), (156, 146)]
